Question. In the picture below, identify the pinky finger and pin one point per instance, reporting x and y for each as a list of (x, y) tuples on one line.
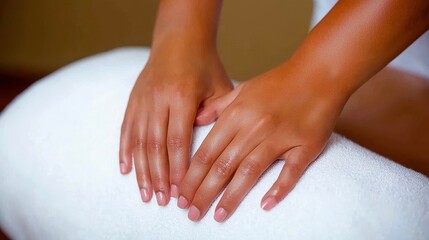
[(292, 171), (125, 150)]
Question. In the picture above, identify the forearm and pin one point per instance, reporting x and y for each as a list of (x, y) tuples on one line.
[(357, 39), (188, 24)]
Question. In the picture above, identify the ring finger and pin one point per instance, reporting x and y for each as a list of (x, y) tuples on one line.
[(222, 171), (247, 174), (140, 160)]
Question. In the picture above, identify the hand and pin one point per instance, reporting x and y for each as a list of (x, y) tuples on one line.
[(158, 123), (279, 115)]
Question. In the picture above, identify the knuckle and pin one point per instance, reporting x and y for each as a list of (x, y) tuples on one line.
[(140, 144), (293, 173), (155, 145), (181, 92), (228, 199), (236, 111), (252, 158), (175, 176), (202, 157), (175, 143), (251, 168), (283, 186), (266, 120), (157, 89), (294, 170), (155, 94), (223, 167)]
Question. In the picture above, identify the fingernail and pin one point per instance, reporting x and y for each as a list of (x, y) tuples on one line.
[(161, 199), (182, 202), (123, 168), (145, 195), (220, 215), (269, 203), (194, 213), (174, 191)]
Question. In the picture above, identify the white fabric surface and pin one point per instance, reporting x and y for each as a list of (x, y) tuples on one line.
[(415, 59), (60, 178)]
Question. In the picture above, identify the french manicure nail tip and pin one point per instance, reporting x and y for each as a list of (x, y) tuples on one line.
[(161, 199), (269, 203), (174, 191), (182, 202), (194, 213), (220, 215), (123, 167), (145, 195)]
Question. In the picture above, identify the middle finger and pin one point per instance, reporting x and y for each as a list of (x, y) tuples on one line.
[(157, 154), (214, 144), (221, 172)]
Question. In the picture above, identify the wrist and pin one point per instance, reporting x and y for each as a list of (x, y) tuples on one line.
[(188, 23), (324, 75), (176, 53), (183, 44), (313, 81)]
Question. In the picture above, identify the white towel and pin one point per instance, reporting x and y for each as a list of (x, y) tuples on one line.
[(59, 175)]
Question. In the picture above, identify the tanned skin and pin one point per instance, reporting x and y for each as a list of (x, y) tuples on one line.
[(389, 114), (288, 112)]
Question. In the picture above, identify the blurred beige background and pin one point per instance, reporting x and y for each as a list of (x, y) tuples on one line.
[(37, 37)]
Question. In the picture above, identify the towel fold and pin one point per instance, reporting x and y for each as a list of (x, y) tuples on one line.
[(60, 176)]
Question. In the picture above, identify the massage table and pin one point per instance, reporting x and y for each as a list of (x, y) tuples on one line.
[(59, 174)]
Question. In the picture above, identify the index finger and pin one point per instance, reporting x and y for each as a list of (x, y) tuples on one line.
[(180, 125), (211, 148)]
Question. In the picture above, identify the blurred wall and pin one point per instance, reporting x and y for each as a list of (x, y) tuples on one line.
[(37, 37), (256, 35)]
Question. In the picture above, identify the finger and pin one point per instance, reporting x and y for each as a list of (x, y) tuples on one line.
[(157, 154), (125, 146), (179, 139), (214, 144), (294, 167), (206, 114), (211, 109), (221, 172), (245, 178), (140, 161)]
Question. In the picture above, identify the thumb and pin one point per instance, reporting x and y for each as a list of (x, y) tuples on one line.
[(211, 109)]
